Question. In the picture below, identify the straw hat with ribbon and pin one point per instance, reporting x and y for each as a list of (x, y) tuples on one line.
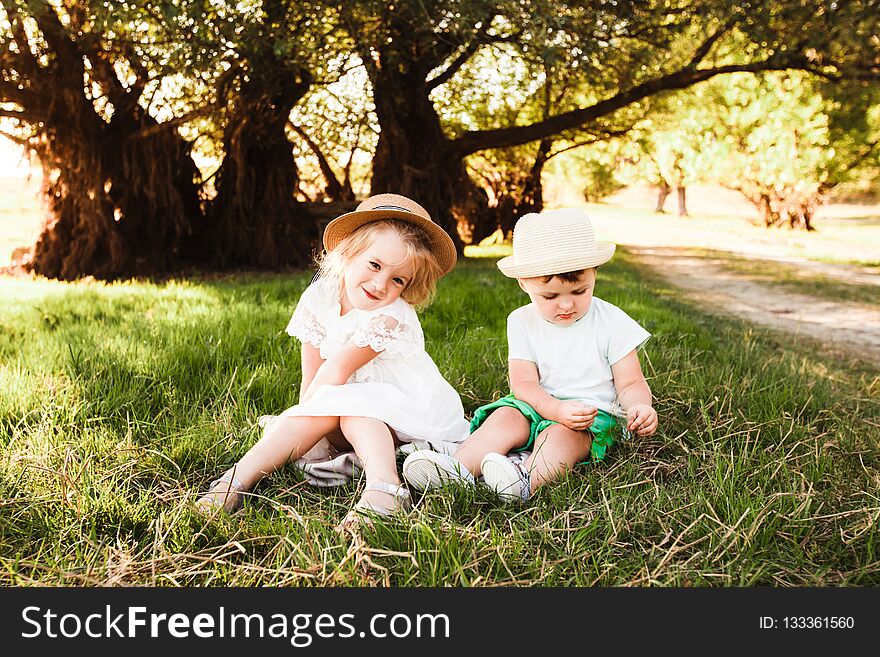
[(392, 206), (554, 242)]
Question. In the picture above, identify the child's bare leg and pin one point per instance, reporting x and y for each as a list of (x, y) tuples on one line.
[(505, 429), (556, 450), (373, 442), (284, 440)]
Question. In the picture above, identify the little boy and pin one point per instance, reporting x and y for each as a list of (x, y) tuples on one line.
[(572, 361)]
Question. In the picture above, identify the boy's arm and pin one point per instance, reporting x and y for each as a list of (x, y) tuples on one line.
[(337, 369), (525, 385), (634, 395)]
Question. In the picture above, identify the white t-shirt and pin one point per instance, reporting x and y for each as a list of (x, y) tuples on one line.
[(574, 361)]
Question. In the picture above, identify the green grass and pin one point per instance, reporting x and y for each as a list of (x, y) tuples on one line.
[(119, 402)]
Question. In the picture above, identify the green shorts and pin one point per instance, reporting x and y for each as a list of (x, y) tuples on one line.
[(603, 426)]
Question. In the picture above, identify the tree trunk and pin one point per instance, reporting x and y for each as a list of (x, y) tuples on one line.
[(130, 214), (532, 199), (663, 190), (122, 194), (255, 219), (521, 197), (807, 220), (800, 214), (413, 157), (682, 201), (769, 213)]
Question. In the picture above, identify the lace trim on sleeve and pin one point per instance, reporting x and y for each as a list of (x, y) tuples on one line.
[(383, 333), (304, 326)]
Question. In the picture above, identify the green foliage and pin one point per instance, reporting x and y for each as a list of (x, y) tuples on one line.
[(853, 112), (674, 147), (783, 139), (784, 142), (601, 180), (485, 79)]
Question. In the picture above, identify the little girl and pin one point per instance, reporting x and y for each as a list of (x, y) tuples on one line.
[(367, 382)]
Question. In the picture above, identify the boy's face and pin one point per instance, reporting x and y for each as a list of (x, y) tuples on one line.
[(558, 301)]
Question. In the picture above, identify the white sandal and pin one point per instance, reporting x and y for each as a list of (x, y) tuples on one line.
[(229, 499), (400, 493), (361, 511)]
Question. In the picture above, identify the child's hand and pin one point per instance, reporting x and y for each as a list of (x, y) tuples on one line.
[(641, 419), (575, 415)]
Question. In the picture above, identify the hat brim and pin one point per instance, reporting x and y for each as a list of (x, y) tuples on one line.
[(344, 225), (599, 256)]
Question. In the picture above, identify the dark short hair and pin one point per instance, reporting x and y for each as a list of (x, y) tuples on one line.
[(568, 276)]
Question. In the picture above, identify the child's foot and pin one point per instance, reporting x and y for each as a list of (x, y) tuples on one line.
[(425, 469), (379, 498), (506, 478), (225, 493)]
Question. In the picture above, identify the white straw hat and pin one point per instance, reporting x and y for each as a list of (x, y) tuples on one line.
[(393, 206), (554, 242)]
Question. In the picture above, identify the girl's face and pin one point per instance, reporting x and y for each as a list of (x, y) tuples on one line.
[(376, 277), (558, 301)]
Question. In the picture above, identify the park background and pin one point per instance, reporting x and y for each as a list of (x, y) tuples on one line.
[(167, 171)]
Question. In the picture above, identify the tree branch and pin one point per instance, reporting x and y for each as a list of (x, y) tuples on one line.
[(860, 73), (15, 138), (334, 187), (25, 56), (354, 28), (481, 38), (156, 128), (58, 39), (104, 74), (587, 142), (11, 92), (14, 114), (456, 64), (707, 45), (470, 142), (871, 147)]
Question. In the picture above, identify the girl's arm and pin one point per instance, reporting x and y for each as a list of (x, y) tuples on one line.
[(337, 369), (634, 395), (525, 385), (311, 361)]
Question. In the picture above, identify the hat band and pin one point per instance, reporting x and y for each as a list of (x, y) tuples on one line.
[(391, 207)]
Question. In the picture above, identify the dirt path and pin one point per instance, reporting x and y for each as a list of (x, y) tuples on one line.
[(851, 326)]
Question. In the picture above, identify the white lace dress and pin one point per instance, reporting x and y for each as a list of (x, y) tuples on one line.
[(401, 386)]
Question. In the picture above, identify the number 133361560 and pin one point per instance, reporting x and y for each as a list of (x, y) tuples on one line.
[(807, 623)]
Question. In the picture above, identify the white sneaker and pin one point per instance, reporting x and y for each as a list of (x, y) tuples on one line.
[(425, 469), (506, 478)]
